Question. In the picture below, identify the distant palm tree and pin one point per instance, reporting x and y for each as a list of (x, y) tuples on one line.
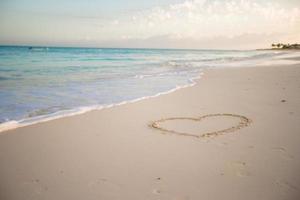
[(286, 46)]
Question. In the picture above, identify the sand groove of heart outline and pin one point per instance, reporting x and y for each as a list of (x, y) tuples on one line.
[(244, 122)]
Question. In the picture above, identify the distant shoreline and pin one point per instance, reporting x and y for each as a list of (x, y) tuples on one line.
[(281, 46), (275, 49)]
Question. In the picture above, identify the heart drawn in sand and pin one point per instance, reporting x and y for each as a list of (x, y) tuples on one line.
[(182, 125)]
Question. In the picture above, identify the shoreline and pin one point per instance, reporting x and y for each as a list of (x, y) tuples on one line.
[(114, 154), (285, 59), (13, 124)]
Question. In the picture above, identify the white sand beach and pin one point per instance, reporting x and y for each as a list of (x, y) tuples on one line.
[(114, 153)]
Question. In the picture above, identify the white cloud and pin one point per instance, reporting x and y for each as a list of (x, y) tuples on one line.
[(200, 19)]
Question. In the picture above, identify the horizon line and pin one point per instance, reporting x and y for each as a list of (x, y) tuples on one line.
[(145, 48)]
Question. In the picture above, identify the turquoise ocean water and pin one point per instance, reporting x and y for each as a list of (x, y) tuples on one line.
[(42, 83)]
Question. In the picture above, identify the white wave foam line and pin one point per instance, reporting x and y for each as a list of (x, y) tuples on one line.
[(142, 76), (81, 110), (276, 58)]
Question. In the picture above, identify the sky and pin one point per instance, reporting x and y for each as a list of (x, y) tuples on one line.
[(192, 24)]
